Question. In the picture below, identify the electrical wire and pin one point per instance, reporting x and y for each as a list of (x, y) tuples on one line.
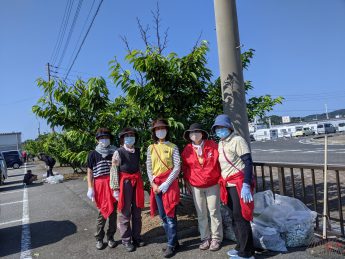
[(82, 43)]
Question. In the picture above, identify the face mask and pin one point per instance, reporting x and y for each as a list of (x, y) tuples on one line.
[(222, 132), (104, 142), (195, 136), (161, 134), (129, 141)]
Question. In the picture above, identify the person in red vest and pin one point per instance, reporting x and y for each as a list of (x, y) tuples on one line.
[(236, 184), (163, 168), (99, 191), (201, 171), (128, 186)]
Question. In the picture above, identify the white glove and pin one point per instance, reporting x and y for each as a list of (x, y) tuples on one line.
[(90, 194), (116, 195), (163, 187)]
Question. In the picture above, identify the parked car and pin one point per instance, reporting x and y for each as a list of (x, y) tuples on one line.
[(325, 128), (341, 127), (12, 158), (3, 170), (265, 134), (304, 131)]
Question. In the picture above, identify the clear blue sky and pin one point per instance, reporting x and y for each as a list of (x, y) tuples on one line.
[(299, 48)]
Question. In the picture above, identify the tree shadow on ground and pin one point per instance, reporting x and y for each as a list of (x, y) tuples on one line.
[(42, 233)]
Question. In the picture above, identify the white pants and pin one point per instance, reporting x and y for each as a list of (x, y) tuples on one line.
[(207, 202)]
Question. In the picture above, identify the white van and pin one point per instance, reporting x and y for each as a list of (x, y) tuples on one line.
[(341, 127), (265, 134), (325, 128)]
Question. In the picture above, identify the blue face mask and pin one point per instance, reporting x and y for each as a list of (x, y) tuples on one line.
[(222, 133), (129, 141)]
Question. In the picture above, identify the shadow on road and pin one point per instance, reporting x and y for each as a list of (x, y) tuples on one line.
[(42, 233)]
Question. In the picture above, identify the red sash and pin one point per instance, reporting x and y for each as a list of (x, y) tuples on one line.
[(170, 199), (139, 190), (237, 179), (104, 195)]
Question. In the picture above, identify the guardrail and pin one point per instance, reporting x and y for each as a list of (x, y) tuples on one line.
[(305, 182)]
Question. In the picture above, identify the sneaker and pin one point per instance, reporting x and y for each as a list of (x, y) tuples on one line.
[(169, 252), (205, 245), (215, 245), (111, 243), (129, 247), (240, 257), (99, 244), (177, 247), (139, 243), (232, 252)]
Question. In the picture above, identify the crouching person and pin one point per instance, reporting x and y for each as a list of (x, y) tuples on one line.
[(99, 191), (201, 171), (128, 186), (163, 168)]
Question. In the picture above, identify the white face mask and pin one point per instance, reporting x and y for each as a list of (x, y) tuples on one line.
[(195, 136), (161, 134), (104, 142)]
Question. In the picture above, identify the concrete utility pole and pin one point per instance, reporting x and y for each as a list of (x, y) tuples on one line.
[(326, 111), (50, 94), (230, 64)]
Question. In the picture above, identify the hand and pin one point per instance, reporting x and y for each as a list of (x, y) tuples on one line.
[(90, 194), (164, 187), (116, 194), (246, 195), (155, 188)]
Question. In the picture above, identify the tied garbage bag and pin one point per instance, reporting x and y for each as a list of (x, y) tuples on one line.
[(54, 179), (267, 238), (262, 200)]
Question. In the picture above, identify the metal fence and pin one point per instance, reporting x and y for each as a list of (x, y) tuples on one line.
[(305, 182)]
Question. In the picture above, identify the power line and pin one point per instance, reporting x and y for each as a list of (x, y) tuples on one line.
[(63, 31), (87, 32), (75, 18)]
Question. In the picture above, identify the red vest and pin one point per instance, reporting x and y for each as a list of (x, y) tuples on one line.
[(205, 175)]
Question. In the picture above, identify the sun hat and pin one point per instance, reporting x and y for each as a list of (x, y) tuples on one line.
[(222, 120), (159, 123), (195, 127)]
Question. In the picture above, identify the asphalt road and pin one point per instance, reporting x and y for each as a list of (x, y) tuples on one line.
[(301, 150), (57, 221)]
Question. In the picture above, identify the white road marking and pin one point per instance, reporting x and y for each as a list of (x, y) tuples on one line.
[(10, 222), (9, 203), (2, 193), (26, 236)]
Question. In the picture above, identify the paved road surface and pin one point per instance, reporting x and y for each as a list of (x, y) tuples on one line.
[(61, 224), (296, 151)]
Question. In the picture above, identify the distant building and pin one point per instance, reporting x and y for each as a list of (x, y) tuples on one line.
[(10, 141)]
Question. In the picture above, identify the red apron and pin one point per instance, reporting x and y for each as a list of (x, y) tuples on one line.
[(104, 195), (237, 179), (139, 190), (170, 199)]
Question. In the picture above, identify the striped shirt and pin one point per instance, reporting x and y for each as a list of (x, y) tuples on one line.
[(98, 164), (176, 166)]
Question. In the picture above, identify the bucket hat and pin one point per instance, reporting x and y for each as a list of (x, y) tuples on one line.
[(222, 120), (128, 130), (195, 127)]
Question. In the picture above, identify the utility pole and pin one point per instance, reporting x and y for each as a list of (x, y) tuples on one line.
[(50, 92), (326, 111), (230, 64)]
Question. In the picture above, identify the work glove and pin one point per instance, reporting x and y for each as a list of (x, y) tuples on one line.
[(246, 195), (90, 194), (163, 187), (116, 194)]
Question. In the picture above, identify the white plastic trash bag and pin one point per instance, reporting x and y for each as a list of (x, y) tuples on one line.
[(58, 178), (267, 238), (262, 200)]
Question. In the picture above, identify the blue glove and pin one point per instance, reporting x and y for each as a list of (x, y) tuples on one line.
[(246, 195), (163, 187)]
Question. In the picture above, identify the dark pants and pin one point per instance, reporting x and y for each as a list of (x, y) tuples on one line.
[(242, 228), (50, 171), (128, 213), (169, 224), (101, 223)]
